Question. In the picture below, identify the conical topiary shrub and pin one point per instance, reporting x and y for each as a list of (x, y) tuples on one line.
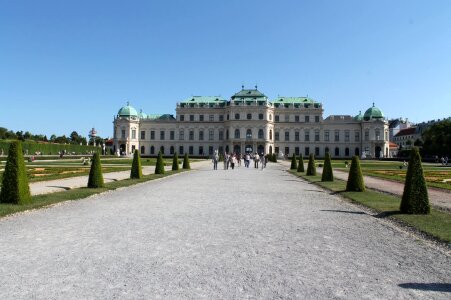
[(175, 162), (159, 167), (186, 162), (294, 164), (301, 164), (415, 198), (274, 157), (311, 168), (95, 174), (136, 171), (355, 177), (328, 174), (15, 188)]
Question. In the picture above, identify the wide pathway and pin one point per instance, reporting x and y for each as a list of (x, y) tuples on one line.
[(438, 198), (205, 234)]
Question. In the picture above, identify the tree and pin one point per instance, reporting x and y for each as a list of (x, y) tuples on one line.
[(175, 162), (15, 188), (355, 178), (301, 164), (311, 168), (95, 174), (159, 167), (294, 164), (328, 174), (437, 138), (186, 162), (136, 172), (415, 199)]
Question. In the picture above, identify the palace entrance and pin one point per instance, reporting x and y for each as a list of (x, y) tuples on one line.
[(248, 149), (260, 149), (237, 149)]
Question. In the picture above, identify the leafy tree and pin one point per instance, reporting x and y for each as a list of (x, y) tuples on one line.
[(136, 172), (415, 199), (159, 167), (15, 188), (437, 139), (311, 167), (355, 177), (301, 164), (95, 174), (328, 174), (186, 164), (175, 162), (294, 164)]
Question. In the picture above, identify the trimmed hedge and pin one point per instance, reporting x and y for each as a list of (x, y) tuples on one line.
[(136, 172), (186, 162), (274, 157), (328, 174), (301, 164), (95, 174), (175, 162), (159, 167), (355, 178), (415, 199), (15, 188), (311, 168), (51, 148), (294, 165)]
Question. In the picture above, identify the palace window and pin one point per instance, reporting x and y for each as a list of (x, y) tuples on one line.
[(221, 118), (201, 118), (296, 118), (307, 151), (316, 135), (237, 133), (191, 150), (307, 119), (210, 150), (326, 135), (143, 135), (307, 135), (171, 135), (182, 118), (211, 134), (152, 150), (367, 135), (296, 151), (276, 118), (181, 135), (152, 135), (181, 150), (143, 149), (287, 136), (201, 150), (296, 136), (317, 151), (260, 133), (171, 150), (237, 116), (201, 135), (337, 135), (191, 135), (133, 134), (270, 134), (221, 135), (249, 116), (161, 135), (356, 136), (260, 116), (287, 118), (337, 151), (347, 136), (378, 135), (317, 119), (212, 118), (248, 134), (191, 118), (276, 135), (162, 149)]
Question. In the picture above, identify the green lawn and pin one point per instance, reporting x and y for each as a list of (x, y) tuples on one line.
[(437, 224)]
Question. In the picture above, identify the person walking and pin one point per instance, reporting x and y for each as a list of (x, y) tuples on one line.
[(256, 160), (215, 160)]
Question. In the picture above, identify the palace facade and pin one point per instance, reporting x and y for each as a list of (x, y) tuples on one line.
[(250, 122)]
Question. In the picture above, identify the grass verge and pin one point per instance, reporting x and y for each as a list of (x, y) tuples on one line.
[(436, 225), (76, 194)]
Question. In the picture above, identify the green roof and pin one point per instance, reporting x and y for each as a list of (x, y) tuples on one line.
[(297, 101), (160, 117), (373, 113), (359, 117), (127, 111), (246, 93), (204, 99)]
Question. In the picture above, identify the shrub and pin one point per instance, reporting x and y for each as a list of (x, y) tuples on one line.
[(301, 164), (311, 168), (175, 162), (15, 188), (95, 174), (328, 174), (274, 157), (186, 162), (136, 171), (415, 198), (294, 164), (159, 167), (355, 178)]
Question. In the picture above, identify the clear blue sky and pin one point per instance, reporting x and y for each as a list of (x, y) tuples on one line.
[(69, 64)]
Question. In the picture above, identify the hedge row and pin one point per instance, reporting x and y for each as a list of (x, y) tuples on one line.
[(50, 149)]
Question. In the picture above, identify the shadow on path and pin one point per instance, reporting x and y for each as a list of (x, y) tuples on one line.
[(385, 214), (345, 211), (60, 187), (438, 287)]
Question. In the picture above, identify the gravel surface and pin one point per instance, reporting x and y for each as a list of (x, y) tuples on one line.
[(236, 234)]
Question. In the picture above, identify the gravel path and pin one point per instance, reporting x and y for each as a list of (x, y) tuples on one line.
[(236, 234)]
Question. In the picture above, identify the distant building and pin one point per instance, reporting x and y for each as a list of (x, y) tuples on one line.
[(407, 137), (396, 125), (249, 122)]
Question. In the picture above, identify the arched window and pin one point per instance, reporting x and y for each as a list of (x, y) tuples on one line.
[(152, 150), (143, 149), (357, 151), (378, 134), (260, 133), (227, 134), (237, 133), (347, 151), (260, 116), (249, 134), (337, 151), (270, 134), (237, 116)]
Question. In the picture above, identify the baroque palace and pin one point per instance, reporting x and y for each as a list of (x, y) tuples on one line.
[(250, 122)]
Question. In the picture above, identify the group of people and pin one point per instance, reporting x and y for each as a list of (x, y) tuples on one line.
[(444, 160), (233, 160)]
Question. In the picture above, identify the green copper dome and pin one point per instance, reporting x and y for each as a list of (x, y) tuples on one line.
[(359, 117), (127, 111), (373, 113), (142, 115)]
